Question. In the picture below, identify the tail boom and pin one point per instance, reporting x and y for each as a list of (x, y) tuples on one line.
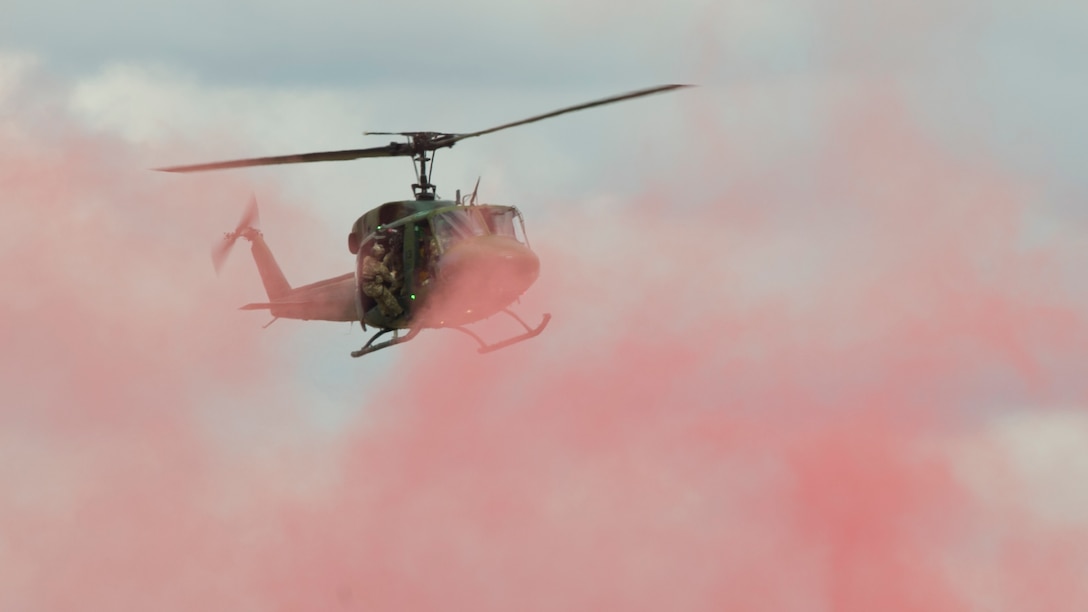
[(332, 299)]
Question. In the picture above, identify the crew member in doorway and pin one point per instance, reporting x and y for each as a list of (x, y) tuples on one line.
[(377, 279)]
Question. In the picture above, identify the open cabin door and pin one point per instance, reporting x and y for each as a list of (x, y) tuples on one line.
[(397, 259)]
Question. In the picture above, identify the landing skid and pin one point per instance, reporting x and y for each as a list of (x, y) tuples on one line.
[(370, 347), (530, 332)]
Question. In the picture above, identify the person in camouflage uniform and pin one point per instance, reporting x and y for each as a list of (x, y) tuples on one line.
[(377, 279)]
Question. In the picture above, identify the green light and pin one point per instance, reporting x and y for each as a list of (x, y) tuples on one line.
[(413, 296)]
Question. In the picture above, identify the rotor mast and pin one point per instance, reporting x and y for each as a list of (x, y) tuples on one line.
[(422, 188), (417, 147)]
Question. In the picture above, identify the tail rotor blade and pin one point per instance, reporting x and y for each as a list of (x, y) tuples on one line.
[(251, 217), (220, 252), (250, 220)]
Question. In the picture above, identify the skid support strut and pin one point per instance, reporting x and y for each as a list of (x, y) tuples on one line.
[(370, 347), (530, 332)]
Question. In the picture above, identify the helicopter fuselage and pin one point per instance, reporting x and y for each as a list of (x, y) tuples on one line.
[(454, 264)]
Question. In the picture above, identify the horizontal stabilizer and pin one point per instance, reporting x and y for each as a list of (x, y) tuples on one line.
[(270, 305)]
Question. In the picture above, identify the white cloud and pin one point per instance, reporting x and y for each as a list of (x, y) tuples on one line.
[(13, 69), (1031, 460)]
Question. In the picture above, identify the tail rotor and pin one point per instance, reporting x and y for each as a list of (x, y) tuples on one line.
[(249, 221)]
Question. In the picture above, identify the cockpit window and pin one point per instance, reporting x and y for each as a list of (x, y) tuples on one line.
[(501, 221), (453, 226)]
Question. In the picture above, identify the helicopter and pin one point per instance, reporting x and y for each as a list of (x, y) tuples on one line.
[(425, 263)]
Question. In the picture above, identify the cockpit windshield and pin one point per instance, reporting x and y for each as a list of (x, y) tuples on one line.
[(453, 226), (501, 221)]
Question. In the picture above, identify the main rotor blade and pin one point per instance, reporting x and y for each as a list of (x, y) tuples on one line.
[(570, 109), (421, 141), (390, 150)]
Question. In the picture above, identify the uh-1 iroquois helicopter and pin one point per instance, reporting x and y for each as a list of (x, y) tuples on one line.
[(421, 263)]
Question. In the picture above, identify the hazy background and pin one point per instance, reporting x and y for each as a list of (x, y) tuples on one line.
[(819, 324)]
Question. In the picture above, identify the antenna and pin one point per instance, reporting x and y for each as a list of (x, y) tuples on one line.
[(474, 190)]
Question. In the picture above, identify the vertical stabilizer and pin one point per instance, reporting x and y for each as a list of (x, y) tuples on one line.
[(275, 283)]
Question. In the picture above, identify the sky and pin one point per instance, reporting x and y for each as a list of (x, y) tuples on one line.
[(818, 324)]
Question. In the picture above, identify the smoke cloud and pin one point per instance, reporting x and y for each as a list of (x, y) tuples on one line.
[(865, 400)]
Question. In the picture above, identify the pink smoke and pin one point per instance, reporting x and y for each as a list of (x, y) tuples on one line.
[(117, 340), (706, 443), (748, 411)]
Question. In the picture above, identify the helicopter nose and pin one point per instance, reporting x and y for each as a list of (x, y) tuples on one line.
[(519, 263), (495, 269)]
